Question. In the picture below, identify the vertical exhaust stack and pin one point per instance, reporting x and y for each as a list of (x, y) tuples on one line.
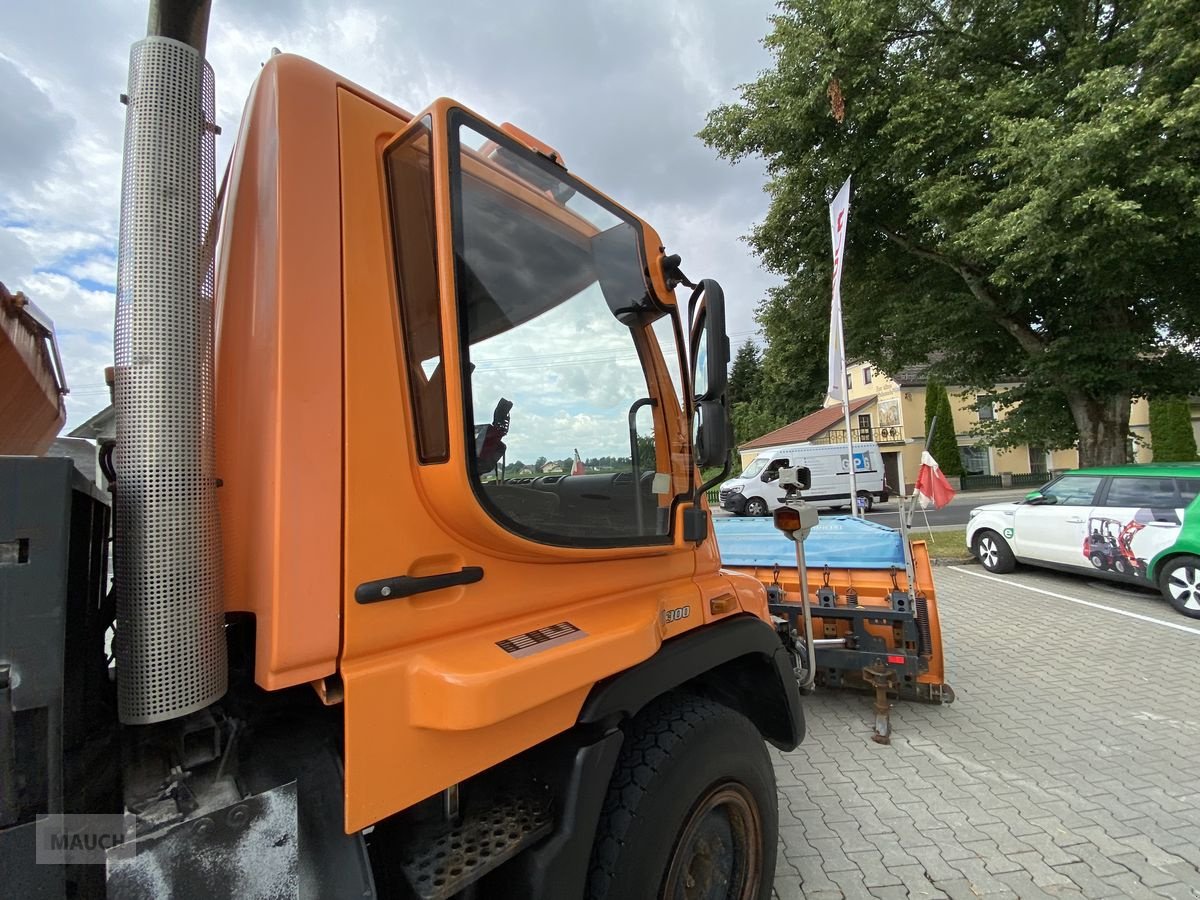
[(170, 642)]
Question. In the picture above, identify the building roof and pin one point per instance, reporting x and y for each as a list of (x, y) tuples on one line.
[(807, 428), (101, 426)]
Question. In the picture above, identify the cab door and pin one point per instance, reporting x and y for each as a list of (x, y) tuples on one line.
[(1052, 530)]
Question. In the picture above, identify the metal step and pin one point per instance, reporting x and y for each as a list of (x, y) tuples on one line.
[(441, 865)]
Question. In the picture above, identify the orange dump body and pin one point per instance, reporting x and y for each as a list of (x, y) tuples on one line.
[(322, 489), (32, 411)]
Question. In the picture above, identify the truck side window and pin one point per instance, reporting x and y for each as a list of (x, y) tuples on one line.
[(410, 188), (544, 274)]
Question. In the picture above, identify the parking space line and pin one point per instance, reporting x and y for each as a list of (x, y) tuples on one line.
[(1120, 612)]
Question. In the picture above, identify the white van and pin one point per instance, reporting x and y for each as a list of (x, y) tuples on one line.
[(755, 492)]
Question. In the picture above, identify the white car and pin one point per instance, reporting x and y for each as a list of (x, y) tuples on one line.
[(1128, 523)]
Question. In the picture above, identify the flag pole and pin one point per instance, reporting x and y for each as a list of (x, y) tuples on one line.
[(854, 510), (912, 505)]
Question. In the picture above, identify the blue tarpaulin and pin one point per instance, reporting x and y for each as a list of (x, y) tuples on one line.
[(840, 542)]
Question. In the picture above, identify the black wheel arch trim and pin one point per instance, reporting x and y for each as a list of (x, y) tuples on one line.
[(739, 661)]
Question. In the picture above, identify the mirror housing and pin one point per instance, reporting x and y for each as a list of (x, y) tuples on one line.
[(713, 439), (1033, 498), (708, 326)]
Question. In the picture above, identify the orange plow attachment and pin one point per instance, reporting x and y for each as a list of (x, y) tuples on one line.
[(868, 629)]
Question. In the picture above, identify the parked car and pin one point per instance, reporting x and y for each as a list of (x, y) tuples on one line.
[(1128, 523), (756, 493)]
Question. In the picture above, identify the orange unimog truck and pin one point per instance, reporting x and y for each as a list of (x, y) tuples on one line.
[(369, 638)]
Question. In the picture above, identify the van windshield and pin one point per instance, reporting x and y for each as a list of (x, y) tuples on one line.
[(755, 467)]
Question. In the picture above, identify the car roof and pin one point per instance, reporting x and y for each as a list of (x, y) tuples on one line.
[(1160, 470)]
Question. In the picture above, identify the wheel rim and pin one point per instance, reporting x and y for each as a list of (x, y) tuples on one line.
[(1121, 566), (719, 852), (1097, 561), (756, 508), (1184, 585), (989, 553)]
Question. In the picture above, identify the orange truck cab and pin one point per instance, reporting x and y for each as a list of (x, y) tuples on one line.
[(472, 635)]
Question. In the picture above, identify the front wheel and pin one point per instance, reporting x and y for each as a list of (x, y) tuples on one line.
[(756, 506), (1179, 582), (691, 809), (865, 501), (993, 552)]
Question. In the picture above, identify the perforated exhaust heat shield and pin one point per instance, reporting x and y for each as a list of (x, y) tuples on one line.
[(170, 644)]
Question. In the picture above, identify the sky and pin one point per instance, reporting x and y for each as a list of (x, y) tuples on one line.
[(619, 88)]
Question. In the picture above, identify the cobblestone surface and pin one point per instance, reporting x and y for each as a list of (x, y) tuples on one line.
[(1069, 766)]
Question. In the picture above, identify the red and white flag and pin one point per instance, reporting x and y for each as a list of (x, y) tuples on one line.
[(577, 466), (932, 486)]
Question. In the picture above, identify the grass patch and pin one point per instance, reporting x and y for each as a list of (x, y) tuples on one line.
[(944, 544)]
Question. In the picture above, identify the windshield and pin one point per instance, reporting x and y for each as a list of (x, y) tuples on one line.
[(559, 346), (755, 467)]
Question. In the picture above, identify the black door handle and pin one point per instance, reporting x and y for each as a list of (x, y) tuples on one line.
[(407, 585)]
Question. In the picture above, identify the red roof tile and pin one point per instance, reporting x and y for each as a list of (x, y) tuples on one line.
[(807, 428)]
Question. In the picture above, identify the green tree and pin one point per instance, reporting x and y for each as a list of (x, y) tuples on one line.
[(1171, 435), (944, 447), (753, 419), (933, 400), (1026, 175), (745, 380), (794, 366)]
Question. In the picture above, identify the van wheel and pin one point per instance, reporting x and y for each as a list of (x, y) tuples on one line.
[(868, 501), (993, 551), (1179, 582), (756, 506), (691, 809)]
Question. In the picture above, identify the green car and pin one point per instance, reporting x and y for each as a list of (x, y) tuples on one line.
[(1127, 523)]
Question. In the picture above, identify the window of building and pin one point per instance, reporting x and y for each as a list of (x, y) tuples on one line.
[(866, 374), (1037, 460), (983, 406), (976, 460), (864, 428), (849, 380)]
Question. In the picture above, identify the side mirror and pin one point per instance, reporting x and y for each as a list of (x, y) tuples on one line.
[(713, 440), (1036, 498), (709, 342)]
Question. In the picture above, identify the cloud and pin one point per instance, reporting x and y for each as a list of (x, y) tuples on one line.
[(619, 88), (33, 131)]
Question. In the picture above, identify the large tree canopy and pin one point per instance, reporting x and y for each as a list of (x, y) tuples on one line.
[(1026, 195)]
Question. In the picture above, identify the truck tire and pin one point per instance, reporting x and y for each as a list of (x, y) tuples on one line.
[(756, 506), (993, 552), (692, 804), (868, 501), (1179, 582)]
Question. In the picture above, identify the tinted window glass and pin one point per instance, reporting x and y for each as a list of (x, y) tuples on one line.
[(1188, 489), (1072, 490), (567, 443), (410, 185), (1148, 492)]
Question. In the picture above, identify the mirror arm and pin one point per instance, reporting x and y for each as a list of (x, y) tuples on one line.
[(717, 479)]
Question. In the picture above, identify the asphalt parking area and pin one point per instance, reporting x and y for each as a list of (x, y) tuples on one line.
[(1069, 766)]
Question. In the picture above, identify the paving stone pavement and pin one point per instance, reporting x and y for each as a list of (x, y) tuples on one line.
[(1069, 765)]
